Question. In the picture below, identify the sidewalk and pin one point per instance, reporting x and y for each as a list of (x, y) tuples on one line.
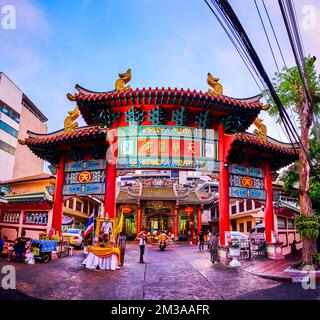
[(271, 269)]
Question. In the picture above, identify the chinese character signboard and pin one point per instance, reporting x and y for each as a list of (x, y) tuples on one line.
[(85, 177), (165, 147), (246, 182)]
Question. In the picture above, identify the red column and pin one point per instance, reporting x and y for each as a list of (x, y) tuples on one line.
[(110, 193), (268, 210), (176, 222), (111, 176), (224, 219), (58, 198), (138, 219), (199, 219)]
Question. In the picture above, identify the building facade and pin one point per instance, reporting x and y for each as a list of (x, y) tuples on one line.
[(17, 115), (26, 204)]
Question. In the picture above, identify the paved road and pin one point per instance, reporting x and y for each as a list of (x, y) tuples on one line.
[(177, 273)]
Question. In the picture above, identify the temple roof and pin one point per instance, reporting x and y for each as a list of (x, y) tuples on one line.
[(47, 146), (41, 199), (91, 102), (280, 154), (60, 137), (180, 194)]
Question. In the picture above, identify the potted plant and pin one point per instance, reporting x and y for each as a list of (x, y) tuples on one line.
[(234, 252)]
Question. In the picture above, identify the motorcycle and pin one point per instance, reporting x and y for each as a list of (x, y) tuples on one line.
[(162, 245)]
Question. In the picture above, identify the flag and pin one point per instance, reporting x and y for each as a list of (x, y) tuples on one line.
[(89, 226), (119, 227)]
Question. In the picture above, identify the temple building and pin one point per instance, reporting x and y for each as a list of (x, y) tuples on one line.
[(164, 129)]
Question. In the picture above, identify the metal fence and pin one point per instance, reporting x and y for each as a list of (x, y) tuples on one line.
[(248, 250)]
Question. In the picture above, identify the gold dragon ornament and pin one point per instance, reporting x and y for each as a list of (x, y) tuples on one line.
[(123, 79), (261, 131), (217, 88), (69, 123)]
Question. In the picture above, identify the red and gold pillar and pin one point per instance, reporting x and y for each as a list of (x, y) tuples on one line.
[(268, 210), (111, 176), (224, 219), (176, 222), (58, 197), (199, 219), (139, 219)]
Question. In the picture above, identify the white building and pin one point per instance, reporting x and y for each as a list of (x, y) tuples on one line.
[(17, 115)]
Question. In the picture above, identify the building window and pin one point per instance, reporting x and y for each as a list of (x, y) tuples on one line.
[(70, 203), (281, 223), (249, 204), (241, 206), (234, 209), (6, 147), (5, 127), (78, 206), (290, 224), (249, 226), (36, 218), (8, 111), (10, 217), (241, 227), (257, 204), (85, 207)]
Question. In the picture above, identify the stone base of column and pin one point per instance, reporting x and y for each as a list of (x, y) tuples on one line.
[(223, 255), (274, 250)]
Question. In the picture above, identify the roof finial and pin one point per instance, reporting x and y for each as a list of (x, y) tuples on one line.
[(215, 85), (123, 79), (69, 124), (261, 131)]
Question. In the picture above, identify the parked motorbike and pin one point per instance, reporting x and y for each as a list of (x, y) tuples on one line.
[(162, 245)]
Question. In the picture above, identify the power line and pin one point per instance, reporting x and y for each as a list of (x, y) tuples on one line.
[(232, 36), (228, 13), (265, 32), (274, 33)]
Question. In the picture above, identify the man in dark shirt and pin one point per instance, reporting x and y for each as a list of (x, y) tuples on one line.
[(201, 240), (20, 246)]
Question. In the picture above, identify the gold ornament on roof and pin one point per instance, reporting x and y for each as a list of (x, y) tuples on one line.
[(217, 88), (261, 131), (71, 97), (69, 123), (123, 79), (266, 107)]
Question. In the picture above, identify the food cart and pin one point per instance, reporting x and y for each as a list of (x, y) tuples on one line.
[(42, 249)]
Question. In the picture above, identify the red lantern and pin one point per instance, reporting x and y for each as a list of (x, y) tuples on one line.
[(188, 210), (126, 209)]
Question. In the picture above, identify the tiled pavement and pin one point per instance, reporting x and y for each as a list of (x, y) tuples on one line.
[(177, 273), (271, 268)]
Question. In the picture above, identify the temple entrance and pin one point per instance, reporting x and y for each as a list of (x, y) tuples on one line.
[(159, 216)]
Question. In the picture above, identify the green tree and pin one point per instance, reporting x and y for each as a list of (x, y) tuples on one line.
[(288, 85)]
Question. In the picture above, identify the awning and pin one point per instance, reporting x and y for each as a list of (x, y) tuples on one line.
[(67, 220)]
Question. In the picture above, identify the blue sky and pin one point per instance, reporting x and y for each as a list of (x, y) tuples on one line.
[(57, 44)]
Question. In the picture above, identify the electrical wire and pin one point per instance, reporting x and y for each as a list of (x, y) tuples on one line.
[(274, 33), (266, 33), (247, 46)]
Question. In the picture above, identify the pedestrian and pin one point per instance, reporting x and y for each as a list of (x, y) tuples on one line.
[(143, 240), (214, 248), (122, 246), (20, 246), (201, 240), (1, 245), (209, 239), (172, 239)]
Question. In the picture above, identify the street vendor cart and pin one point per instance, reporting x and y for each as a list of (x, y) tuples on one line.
[(42, 249)]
